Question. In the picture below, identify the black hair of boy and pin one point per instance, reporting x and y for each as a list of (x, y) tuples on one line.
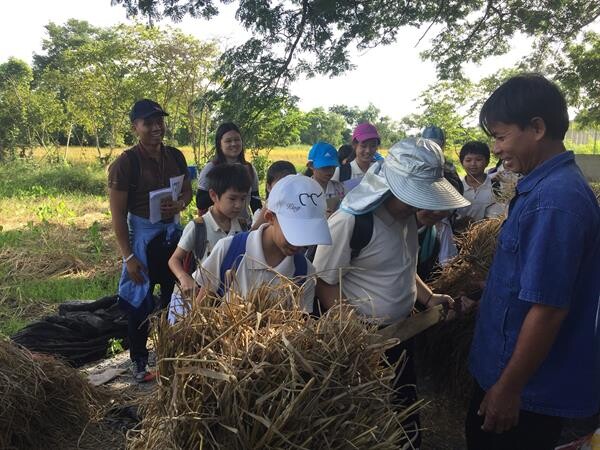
[(279, 169), (475, 148), (227, 176), (345, 153), (522, 98)]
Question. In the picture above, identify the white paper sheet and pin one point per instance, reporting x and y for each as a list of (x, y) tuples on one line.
[(176, 186), (155, 199)]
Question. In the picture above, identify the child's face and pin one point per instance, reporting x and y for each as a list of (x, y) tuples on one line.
[(518, 149), (398, 209), (231, 203), (365, 150), (474, 164), (278, 238), (323, 174)]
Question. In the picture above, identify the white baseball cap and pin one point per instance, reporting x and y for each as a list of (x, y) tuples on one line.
[(299, 204)]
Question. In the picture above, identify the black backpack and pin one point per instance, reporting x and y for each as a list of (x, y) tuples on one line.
[(361, 236), (345, 172)]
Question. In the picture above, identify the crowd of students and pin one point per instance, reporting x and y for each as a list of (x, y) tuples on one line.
[(368, 228)]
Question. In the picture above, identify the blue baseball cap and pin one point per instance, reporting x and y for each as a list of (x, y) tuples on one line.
[(323, 154)]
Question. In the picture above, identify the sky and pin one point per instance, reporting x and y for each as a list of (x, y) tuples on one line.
[(390, 77)]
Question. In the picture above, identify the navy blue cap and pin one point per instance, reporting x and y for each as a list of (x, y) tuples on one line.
[(435, 134), (142, 109)]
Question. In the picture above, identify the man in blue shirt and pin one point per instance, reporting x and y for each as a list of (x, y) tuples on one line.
[(535, 353)]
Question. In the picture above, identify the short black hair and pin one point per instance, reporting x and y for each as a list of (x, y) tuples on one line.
[(475, 148), (229, 176), (345, 151), (279, 169), (523, 97)]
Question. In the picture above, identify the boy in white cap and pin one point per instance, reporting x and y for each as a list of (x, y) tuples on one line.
[(295, 220), (380, 279)]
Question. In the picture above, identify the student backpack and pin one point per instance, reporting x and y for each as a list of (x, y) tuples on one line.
[(361, 236), (345, 172), (236, 252), (193, 258)]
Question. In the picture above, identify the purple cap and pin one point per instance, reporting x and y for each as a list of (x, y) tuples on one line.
[(365, 131)]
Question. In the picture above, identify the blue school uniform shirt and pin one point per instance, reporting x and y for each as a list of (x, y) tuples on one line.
[(548, 253)]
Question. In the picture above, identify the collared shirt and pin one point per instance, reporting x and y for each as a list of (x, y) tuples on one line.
[(213, 233), (380, 281), (548, 253), (253, 270), (356, 174), (154, 174), (483, 201)]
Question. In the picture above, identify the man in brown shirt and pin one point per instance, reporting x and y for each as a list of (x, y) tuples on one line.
[(145, 246)]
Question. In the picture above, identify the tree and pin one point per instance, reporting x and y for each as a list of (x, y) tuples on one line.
[(314, 36), (323, 126), (579, 75), (15, 80)]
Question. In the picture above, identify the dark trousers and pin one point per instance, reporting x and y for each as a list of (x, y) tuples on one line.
[(405, 386), (533, 432), (158, 253)]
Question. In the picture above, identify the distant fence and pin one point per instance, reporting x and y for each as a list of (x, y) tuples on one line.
[(585, 137), (590, 166)]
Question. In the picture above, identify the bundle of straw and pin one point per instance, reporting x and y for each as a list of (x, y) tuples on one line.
[(443, 350), (45, 403), (253, 374), (466, 273)]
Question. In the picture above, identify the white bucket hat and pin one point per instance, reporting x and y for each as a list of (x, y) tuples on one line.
[(414, 171), (299, 204)]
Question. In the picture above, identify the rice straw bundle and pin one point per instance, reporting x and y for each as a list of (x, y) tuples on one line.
[(443, 350), (253, 374), (44, 403), (466, 273)]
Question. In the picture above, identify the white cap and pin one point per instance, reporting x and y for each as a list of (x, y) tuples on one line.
[(299, 204)]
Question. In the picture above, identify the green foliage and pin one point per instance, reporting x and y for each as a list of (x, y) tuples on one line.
[(115, 346), (579, 76), (261, 163), (302, 36), (323, 126)]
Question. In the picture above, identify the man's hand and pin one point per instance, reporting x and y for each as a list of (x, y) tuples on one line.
[(135, 269), (168, 207), (500, 406)]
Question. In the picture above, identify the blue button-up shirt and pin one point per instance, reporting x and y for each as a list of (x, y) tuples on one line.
[(548, 253)]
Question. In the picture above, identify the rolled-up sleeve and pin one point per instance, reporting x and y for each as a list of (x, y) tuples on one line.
[(551, 246)]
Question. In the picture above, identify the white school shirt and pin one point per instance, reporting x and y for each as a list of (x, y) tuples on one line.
[(381, 281), (253, 271), (483, 201), (356, 175), (187, 242)]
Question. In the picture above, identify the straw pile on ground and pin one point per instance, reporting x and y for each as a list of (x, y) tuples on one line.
[(44, 403), (257, 374), (443, 350)]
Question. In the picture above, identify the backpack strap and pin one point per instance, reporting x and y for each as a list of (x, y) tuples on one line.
[(200, 238), (134, 174), (179, 159), (361, 233), (300, 268), (345, 172), (236, 250)]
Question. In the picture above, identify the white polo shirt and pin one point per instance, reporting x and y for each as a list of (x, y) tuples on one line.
[(483, 201), (381, 281), (214, 233), (253, 271)]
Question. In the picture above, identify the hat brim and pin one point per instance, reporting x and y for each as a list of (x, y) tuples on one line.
[(437, 195), (319, 164), (305, 232)]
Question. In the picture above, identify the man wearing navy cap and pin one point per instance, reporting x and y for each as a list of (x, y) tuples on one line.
[(145, 246)]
